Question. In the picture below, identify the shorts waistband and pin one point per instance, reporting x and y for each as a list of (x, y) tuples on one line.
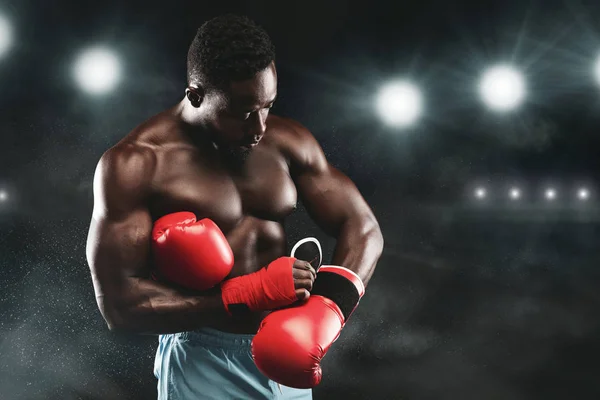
[(216, 338)]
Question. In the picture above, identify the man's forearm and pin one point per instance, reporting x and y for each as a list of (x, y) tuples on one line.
[(359, 246), (153, 308)]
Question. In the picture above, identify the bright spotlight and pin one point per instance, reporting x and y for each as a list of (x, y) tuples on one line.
[(480, 193), (583, 194), (3, 196), (97, 71), (5, 35), (550, 194), (597, 69), (515, 194), (502, 88), (399, 103)]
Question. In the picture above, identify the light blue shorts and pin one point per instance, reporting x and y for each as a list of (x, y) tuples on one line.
[(215, 365)]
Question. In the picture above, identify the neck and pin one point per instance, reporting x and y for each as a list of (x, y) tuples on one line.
[(195, 129), (188, 114), (200, 135)]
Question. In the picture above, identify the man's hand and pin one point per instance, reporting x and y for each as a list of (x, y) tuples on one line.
[(279, 284), (304, 275), (291, 342), (193, 254)]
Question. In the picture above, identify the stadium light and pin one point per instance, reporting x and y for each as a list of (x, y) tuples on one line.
[(515, 194), (399, 104), (97, 70), (502, 88), (480, 193), (6, 35), (597, 69)]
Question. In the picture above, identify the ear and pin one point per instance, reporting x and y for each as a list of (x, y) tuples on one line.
[(194, 95)]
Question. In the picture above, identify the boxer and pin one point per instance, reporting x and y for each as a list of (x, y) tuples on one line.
[(187, 237)]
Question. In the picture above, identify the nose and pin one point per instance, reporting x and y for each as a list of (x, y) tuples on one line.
[(257, 125)]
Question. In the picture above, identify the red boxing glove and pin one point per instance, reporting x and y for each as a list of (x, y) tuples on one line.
[(290, 343), (190, 253), (266, 289)]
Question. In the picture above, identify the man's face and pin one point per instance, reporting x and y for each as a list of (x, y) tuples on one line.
[(239, 117)]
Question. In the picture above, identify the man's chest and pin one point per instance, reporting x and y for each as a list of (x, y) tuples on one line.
[(263, 189)]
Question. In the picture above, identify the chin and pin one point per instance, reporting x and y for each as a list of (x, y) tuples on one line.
[(237, 156), (243, 154)]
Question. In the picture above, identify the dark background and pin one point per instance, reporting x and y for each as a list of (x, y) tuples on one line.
[(470, 300)]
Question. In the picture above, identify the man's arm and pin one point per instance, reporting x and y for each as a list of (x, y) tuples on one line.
[(336, 206), (292, 357), (118, 253)]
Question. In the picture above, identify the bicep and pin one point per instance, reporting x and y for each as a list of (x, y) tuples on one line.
[(330, 197), (118, 250), (118, 242)]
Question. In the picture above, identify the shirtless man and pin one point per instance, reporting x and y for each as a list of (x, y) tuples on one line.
[(219, 155)]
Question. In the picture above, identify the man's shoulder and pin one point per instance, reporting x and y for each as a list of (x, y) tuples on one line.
[(127, 167), (157, 131), (286, 130), (290, 136), (135, 156), (294, 140), (131, 162)]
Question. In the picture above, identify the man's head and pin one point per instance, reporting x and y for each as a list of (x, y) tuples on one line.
[(232, 80)]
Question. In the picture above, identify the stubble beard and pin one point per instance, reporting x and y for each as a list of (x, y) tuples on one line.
[(236, 157)]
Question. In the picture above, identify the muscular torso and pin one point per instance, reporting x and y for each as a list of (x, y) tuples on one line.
[(249, 204)]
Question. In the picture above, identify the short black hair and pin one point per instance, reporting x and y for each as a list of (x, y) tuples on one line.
[(228, 48)]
